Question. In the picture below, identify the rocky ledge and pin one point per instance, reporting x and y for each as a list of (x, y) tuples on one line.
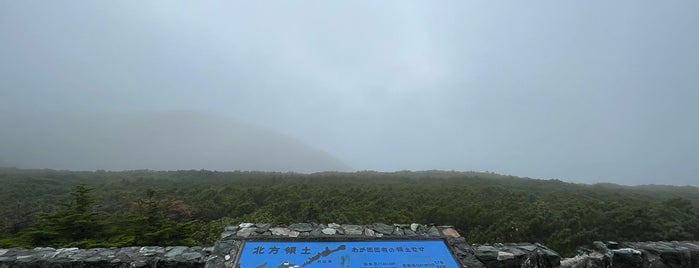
[(332, 230), (477, 256), (105, 257), (224, 252), (675, 254)]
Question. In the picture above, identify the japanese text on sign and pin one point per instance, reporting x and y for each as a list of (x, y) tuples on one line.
[(364, 254)]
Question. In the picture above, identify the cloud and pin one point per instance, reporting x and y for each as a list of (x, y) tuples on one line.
[(585, 92)]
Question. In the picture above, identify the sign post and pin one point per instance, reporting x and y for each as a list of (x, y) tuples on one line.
[(346, 254)]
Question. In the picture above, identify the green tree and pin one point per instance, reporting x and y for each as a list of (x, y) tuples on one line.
[(75, 224), (151, 226)]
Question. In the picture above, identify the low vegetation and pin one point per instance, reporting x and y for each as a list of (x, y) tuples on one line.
[(101, 209)]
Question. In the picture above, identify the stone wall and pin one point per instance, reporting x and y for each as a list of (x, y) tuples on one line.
[(478, 256), (224, 251), (106, 257), (680, 254)]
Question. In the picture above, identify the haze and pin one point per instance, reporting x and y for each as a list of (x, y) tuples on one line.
[(582, 91)]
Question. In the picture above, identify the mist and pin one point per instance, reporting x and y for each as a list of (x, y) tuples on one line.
[(578, 91)]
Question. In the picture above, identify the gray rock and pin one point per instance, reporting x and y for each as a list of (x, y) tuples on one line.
[(301, 227), (334, 225), (280, 231), (593, 260), (227, 234), (433, 231), (502, 255), (151, 251), (612, 245), (26, 258), (329, 231), (94, 259), (353, 229), (231, 228), (294, 234), (414, 227), (628, 257), (245, 232), (174, 252), (316, 232), (246, 225), (139, 263), (409, 232), (223, 247), (598, 245), (487, 255), (190, 256), (450, 232), (382, 228), (528, 247), (398, 231), (262, 227), (369, 232)]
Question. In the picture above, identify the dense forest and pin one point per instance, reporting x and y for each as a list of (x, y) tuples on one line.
[(102, 208)]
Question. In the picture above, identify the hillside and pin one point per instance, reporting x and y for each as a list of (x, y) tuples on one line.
[(484, 207), (160, 141)]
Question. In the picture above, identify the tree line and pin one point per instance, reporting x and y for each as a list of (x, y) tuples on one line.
[(102, 209)]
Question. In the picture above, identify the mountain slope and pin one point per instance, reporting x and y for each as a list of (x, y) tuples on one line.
[(159, 141)]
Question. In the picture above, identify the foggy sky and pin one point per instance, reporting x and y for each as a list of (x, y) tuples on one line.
[(582, 91)]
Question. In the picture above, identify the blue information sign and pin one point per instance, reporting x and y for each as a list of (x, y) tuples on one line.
[(347, 254)]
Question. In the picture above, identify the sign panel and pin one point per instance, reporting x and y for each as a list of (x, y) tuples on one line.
[(346, 254)]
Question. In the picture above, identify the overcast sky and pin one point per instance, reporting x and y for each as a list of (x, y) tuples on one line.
[(582, 91)]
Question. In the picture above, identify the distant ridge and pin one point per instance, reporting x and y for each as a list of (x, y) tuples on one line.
[(158, 141)]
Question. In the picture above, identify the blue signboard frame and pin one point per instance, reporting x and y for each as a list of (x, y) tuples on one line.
[(346, 254)]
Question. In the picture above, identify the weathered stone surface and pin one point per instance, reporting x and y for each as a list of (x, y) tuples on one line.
[(283, 231), (593, 260), (223, 247), (517, 255), (353, 229), (245, 232), (227, 234), (382, 228), (502, 255), (329, 231), (398, 232), (262, 227), (318, 231), (224, 252), (414, 227), (104, 257), (450, 232), (638, 254), (301, 227), (433, 231), (246, 225), (175, 251), (409, 232)]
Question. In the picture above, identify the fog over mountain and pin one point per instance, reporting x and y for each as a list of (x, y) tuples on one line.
[(160, 141), (582, 91)]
